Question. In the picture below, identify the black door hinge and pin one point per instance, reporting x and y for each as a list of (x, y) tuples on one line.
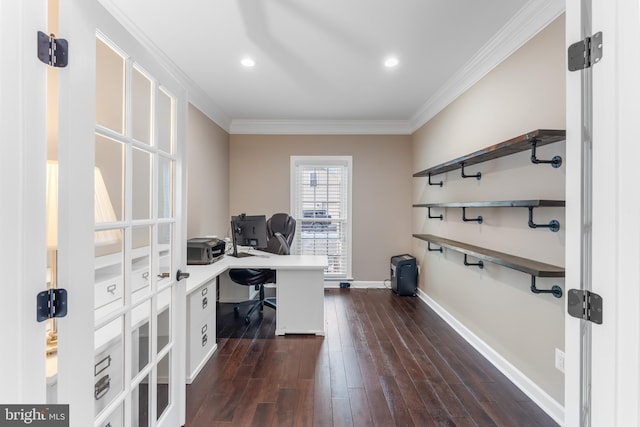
[(585, 53), (53, 51), (585, 305), (51, 303)]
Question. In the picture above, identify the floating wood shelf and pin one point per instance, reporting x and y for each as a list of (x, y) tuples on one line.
[(553, 225), (528, 141), (495, 204), (531, 267)]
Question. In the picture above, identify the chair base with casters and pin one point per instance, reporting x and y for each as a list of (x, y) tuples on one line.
[(257, 278)]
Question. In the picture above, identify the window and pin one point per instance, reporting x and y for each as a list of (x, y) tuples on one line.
[(321, 205)]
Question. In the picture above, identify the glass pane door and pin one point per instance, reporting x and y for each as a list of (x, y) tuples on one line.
[(134, 241)]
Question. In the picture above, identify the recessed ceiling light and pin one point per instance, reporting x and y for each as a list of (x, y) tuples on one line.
[(248, 62), (391, 62)]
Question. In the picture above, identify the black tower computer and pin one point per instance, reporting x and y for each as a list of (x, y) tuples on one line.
[(404, 275)]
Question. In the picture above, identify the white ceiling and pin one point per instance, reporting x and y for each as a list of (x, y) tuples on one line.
[(319, 64)]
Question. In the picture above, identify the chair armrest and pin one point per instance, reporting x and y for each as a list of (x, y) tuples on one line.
[(284, 246)]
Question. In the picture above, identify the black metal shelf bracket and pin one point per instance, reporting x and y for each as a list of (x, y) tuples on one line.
[(433, 249), (553, 225), (555, 290), (434, 216), (478, 264), (555, 162), (476, 176), (478, 219), (434, 183)]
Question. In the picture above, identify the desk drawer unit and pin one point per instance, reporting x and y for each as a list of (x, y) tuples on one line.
[(139, 279), (108, 290), (201, 328), (108, 279), (108, 368), (202, 302)]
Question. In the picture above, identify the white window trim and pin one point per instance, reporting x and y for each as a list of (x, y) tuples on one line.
[(324, 161)]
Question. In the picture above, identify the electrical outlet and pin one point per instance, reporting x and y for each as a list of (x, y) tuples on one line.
[(560, 360)]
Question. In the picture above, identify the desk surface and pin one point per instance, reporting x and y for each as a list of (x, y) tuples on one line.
[(200, 274)]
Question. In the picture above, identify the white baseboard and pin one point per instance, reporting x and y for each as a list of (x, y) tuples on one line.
[(192, 375), (360, 284), (528, 387)]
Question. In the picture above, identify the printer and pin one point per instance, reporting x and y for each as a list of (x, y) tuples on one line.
[(204, 250)]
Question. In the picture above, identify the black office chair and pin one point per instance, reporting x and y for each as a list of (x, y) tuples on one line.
[(284, 225), (281, 228)]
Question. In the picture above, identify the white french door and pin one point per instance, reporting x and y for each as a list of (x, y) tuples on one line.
[(120, 224)]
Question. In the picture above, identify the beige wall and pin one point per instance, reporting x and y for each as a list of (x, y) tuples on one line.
[(259, 175), (207, 177), (525, 92)]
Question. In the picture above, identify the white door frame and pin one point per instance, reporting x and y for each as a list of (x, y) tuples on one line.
[(616, 269), (575, 330), (22, 190), (616, 231)]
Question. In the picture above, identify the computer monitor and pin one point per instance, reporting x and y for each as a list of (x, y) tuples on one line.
[(249, 230)]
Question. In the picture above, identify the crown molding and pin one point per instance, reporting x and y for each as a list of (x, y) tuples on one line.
[(529, 21), (195, 94), (321, 127)]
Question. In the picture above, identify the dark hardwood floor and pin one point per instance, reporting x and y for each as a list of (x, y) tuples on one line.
[(385, 361)]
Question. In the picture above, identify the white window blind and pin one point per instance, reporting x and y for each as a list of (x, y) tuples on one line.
[(321, 200)]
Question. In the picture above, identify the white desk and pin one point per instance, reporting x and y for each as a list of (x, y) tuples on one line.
[(299, 297)]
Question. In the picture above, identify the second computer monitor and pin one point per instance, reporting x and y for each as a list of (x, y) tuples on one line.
[(249, 230)]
